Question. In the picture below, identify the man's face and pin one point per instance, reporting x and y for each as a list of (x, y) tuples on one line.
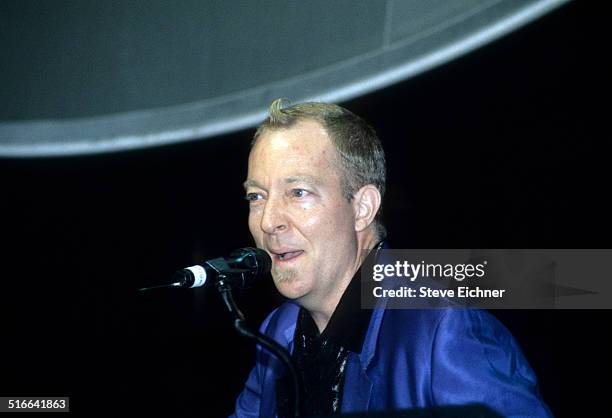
[(298, 213)]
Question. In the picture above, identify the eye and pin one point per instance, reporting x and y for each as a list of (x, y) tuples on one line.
[(299, 193), (253, 197)]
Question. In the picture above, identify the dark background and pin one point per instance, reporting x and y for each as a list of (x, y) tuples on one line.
[(504, 148)]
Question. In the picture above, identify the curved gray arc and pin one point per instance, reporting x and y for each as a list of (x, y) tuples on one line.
[(391, 63)]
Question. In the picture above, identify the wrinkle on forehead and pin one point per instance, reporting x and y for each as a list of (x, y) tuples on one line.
[(305, 144)]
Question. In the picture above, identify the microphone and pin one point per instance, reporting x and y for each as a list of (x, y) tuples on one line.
[(241, 269)]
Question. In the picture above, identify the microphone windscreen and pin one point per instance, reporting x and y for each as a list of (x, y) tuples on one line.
[(255, 259)]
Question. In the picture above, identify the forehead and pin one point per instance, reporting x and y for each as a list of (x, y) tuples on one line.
[(304, 147)]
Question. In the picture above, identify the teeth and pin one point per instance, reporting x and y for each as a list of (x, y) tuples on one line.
[(286, 255), (283, 255)]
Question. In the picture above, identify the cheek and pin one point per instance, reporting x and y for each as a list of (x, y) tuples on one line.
[(254, 224), (310, 218), (308, 204), (327, 221)]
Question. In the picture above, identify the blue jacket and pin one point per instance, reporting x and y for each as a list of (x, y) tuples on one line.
[(412, 359)]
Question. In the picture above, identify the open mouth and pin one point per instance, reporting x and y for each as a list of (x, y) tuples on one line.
[(288, 255)]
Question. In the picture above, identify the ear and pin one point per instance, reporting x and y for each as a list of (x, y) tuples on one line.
[(366, 203)]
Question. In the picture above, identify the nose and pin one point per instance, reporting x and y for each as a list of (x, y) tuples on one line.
[(273, 218)]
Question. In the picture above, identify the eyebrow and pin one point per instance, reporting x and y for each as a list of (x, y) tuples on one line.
[(289, 180), (304, 179), (250, 183)]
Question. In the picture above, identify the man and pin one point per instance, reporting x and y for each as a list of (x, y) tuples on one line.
[(315, 183)]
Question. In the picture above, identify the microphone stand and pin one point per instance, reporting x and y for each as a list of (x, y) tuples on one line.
[(261, 339)]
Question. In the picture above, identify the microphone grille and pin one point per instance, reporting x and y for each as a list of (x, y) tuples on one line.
[(256, 260), (262, 260)]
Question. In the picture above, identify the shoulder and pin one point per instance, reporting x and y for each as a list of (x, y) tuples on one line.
[(459, 317), (474, 324), (474, 351), (433, 329), (472, 342)]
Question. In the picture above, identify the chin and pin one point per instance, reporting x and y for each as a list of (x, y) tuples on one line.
[(291, 288)]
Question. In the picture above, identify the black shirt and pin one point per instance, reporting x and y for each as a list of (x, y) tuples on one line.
[(321, 357)]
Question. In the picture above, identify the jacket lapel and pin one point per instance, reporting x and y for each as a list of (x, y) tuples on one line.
[(284, 334), (357, 382)]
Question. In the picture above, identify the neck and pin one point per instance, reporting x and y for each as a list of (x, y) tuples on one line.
[(322, 313)]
